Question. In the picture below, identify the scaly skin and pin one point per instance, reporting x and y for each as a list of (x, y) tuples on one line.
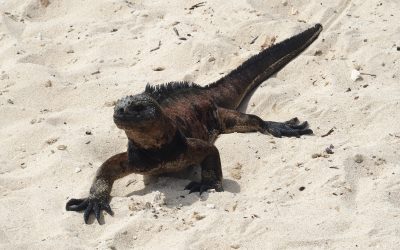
[(173, 126)]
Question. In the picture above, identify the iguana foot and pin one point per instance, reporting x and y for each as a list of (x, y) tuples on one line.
[(89, 205), (203, 186), (290, 128)]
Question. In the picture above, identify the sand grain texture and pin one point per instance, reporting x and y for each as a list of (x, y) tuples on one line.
[(63, 63)]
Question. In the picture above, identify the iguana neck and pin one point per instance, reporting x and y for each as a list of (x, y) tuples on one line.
[(146, 158), (153, 136)]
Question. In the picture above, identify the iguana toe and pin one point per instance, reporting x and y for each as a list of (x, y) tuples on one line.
[(202, 187), (89, 205), (291, 128)]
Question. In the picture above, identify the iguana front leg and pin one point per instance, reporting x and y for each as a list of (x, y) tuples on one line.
[(235, 121), (207, 155), (196, 152), (99, 196)]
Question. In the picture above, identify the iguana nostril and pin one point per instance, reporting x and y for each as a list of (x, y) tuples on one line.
[(121, 110)]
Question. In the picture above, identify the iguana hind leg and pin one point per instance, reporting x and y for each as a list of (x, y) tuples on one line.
[(235, 121)]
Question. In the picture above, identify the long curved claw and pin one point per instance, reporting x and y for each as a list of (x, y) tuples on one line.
[(96, 208), (76, 204), (87, 212), (107, 208)]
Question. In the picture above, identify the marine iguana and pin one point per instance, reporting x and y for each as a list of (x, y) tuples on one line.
[(173, 126)]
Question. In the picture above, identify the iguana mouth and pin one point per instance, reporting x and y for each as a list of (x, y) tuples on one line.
[(132, 121), (128, 117)]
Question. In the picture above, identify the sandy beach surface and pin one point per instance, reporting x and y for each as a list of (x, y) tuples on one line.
[(64, 63)]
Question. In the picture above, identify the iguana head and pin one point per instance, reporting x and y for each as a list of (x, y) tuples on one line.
[(143, 120), (136, 111)]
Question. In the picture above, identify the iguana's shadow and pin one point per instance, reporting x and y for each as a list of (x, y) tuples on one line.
[(172, 186), (246, 100)]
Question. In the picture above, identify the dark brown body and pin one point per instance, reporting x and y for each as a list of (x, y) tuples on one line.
[(173, 126), (195, 114)]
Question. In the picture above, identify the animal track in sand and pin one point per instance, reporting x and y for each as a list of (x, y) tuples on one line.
[(357, 167)]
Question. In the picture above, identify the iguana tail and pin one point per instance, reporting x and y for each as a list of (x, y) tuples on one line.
[(229, 91)]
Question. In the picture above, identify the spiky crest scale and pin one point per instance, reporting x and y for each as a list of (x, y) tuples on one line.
[(163, 91)]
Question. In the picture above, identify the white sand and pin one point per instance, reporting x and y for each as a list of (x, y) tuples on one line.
[(345, 204)]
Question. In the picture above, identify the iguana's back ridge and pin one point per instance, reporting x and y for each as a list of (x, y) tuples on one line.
[(173, 126), (248, 75), (163, 91)]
